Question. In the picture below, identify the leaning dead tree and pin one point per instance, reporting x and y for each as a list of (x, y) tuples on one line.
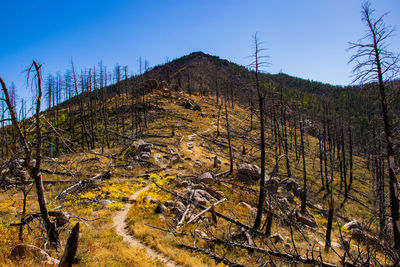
[(374, 63), (33, 167)]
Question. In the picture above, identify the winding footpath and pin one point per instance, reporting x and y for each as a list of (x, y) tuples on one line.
[(121, 229)]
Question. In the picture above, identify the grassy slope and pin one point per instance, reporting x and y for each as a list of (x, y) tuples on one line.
[(99, 243)]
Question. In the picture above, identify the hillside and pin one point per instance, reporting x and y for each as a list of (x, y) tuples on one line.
[(164, 137)]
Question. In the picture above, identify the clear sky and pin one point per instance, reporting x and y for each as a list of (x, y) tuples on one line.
[(305, 38)]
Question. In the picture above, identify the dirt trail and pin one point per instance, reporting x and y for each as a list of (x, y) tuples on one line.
[(121, 229)]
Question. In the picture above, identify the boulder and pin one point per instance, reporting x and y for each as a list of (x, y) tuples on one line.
[(189, 104), (175, 158), (204, 194), (206, 178), (272, 185), (248, 173), (199, 186), (183, 184), (105, 202), (200, 200), (22, 251), (144, 156), (169, 203), (292, 186), (145, 147), (218, 194)]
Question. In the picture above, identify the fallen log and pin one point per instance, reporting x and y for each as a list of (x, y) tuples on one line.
[(238, 223), (287, 256), (83, 184), (204, 211)]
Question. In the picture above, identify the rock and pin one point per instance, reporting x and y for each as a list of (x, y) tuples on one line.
[(248, 206), (160, 209), (169, 203), (175, 158), (354, 224), (189, 104), (157, 157), (199, 186), (144, 156), (206, 178), (201, 233), (183, 184), (200, 200), (150, 199), (145, 147), (248, 173), (105, 202), (190, 145), (191, 137), (307, 221), (204, 194), (276, 238), (219, 194), (272, 185), (290, 185), (22, 251)]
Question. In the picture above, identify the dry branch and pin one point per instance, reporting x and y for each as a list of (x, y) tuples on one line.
[(83, 184)]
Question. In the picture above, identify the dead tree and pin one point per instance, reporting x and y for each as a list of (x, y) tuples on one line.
[(304, 193), (34, 171), (259, 61), (375, 63), (228, 131)]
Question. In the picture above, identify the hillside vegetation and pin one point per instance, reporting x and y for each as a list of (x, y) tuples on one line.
[(175, 133)]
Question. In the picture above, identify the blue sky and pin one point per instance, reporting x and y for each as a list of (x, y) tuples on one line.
[(306, 38)]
